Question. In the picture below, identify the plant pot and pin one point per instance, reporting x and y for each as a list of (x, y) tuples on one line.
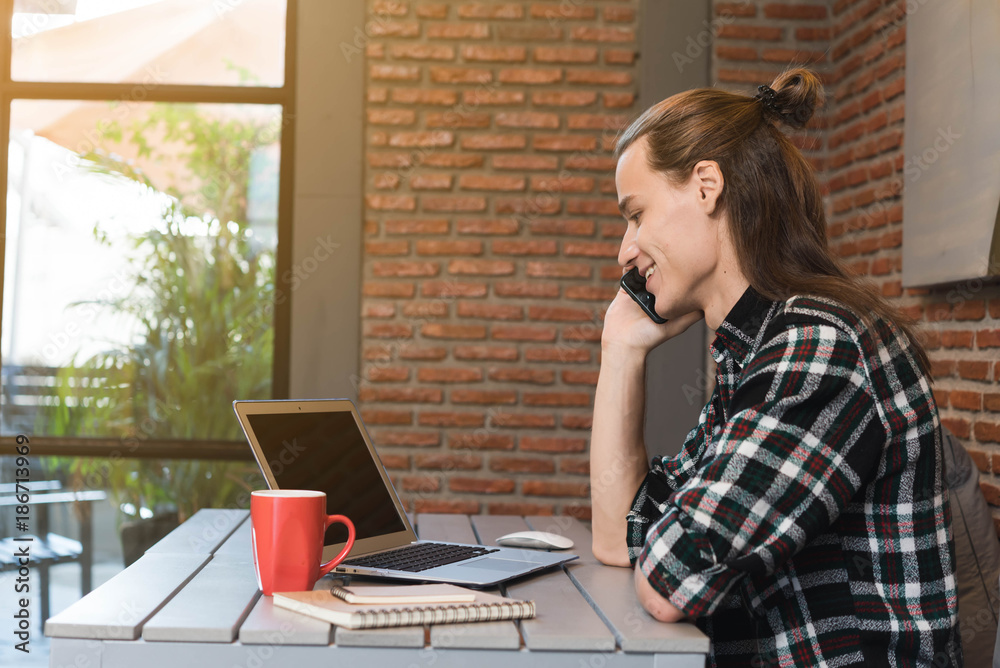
[(137, 536)]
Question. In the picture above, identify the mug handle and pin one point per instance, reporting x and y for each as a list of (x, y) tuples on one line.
[(333, 563)]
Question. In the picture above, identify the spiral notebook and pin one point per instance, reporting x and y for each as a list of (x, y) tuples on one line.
[(327, 604)]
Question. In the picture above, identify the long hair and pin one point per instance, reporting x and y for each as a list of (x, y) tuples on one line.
[(770, 195)]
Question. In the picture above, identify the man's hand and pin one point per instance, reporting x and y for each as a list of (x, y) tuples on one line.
[(660, 608)]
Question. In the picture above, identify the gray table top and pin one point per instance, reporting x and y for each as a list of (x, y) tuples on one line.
[(192, 600)]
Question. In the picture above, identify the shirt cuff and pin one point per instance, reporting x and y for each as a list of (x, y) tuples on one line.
[(648, 505)]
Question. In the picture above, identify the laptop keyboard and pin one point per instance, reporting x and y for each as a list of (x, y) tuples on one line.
[(417, 557)]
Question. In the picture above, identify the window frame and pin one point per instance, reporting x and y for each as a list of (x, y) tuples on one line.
[(285, 96)]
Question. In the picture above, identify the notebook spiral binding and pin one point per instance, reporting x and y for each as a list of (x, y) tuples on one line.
[(456, 613)]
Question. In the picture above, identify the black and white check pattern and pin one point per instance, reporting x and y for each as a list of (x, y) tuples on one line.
[(805, 522)]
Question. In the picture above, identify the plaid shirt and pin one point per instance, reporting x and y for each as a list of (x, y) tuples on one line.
[(805, 522)]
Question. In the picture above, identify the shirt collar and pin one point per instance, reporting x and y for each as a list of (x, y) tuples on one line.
[(739, 332)]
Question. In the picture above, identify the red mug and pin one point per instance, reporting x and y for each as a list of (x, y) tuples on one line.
[(287, 534)]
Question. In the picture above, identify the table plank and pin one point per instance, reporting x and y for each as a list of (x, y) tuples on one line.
[(238, 545), (202, 533), (472, 635), (393, 636), (118, 608), (268, 624), (564, 619), (211, 607), (611, 591)]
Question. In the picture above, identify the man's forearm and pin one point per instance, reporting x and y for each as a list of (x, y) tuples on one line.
[(617, 452)]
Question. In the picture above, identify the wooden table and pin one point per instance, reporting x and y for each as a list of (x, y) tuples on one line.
[(192, 600)]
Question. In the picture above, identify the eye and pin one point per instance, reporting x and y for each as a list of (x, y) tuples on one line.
[(635, 217)]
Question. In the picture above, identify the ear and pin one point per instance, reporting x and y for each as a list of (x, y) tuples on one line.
[(708, 182)]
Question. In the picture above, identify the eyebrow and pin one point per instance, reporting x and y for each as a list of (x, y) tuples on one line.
[(623, 205)]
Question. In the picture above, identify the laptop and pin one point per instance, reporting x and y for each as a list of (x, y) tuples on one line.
[(323, 445)]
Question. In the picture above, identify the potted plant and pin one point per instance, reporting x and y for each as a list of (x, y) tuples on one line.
[(203, 336)]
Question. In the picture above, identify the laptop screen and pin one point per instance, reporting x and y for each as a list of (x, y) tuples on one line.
[(327, 452)]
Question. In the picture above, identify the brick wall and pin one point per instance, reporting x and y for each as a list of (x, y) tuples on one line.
[(491, 227), (857, 146), (491, 234)]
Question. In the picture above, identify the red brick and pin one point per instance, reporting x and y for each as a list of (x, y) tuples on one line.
[(445, 203), (450, 419), (481, 267), (391, 461), (383, 417), (988, 432), (592, 34), (619, 14), (388, 268), (452, 375), (618, 100), (420, 227), (387, 247), (556, 398), (474, 98), (388, 373), (558, 270), (420, 483), (494, 142), (591, 292), (580, 377), (988, 338), (425, 395), (505, 226), (391, 202), (481, 485), (552, 444), (523, 375), (431, 182), (974, 370), (386, 181), (981, 459), (486, 182), (448, 461), (422, 52), (523, 333), (562, 10), (524, 420), (483, 396), (958, 426), (619, 57), (433, 10), (391, 116), (416, 439), (771, 34), (490, 311), (953, 339), (451, 288), (562, 354), (458, 30), (443, 74), (563, 99), (965, 400), (577, 466), (530, 75), (521, 248), (734, 9), (380, 72), (424, 96), (991, 402), (554, 488), (447, 247), (495, 54), (974, 309), (435, 330), (480, 440), (560, 313), (501, 353), (422, 139), (455, 119), (529, 33), (526, 289), (553, 184), (425, 310), (525, 162), (565, 54), (522, 465), (776, 10), (481, 10), (527, 119), (991, 492), (399, 290), (599, 77), (578, 421)]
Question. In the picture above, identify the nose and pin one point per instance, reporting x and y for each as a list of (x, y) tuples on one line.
[(629, 250)]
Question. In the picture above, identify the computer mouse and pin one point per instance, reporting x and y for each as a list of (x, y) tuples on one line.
[(537, 539)]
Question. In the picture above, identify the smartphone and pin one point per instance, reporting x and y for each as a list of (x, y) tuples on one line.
[(635, 286)]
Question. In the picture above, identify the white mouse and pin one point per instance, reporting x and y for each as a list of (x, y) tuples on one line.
[(538, 539)]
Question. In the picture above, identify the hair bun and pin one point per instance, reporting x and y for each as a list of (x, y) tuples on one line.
[(798, 91)]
